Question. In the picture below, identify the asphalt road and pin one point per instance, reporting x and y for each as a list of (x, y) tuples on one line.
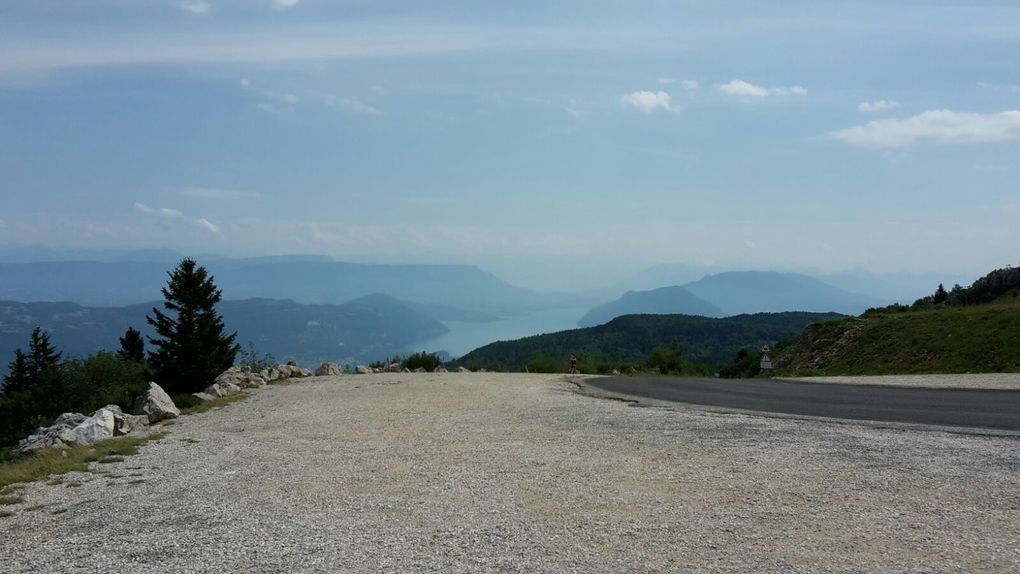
[(953, 407)]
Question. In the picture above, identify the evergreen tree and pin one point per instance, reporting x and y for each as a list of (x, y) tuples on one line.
[(18, 377), (940, 295), (191, 348), (41, 354), (132, 346)]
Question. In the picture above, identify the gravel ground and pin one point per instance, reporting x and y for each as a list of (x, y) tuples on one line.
[(521, 473), (1000, 381)]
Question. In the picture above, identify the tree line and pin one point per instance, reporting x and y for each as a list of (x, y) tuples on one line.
[(190, 349)]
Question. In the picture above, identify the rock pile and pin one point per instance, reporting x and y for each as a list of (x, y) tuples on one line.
[(236, 378), (74, 429)]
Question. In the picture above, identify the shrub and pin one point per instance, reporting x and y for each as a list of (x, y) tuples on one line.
[(429, 361), (250, 358)]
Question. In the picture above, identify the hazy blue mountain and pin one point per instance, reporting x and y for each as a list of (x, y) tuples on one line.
[(662, 301), (739, 292), (368, 328), (301, 278), (668, 274)]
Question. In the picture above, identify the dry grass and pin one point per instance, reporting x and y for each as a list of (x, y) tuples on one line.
[(54, 461)]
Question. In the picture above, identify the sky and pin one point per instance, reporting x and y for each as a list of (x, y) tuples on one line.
[(557, 144)]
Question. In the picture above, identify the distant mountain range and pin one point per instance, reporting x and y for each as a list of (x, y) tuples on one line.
[(663, 301), (365, 329), (450, 292), (738, 292), (734, 293)]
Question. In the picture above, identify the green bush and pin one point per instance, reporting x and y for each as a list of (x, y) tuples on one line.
[(428, 361), (250, 358), (77, 385)]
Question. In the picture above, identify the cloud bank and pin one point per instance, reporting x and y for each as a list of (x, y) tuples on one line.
[(937, 126)]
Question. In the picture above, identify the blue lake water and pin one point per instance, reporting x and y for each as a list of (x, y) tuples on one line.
[(464, 337)]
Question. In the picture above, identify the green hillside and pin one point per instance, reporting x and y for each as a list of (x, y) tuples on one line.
[(632, 338), (983, 338), (973, 329)]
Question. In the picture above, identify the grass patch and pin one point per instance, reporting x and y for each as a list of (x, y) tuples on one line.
[(36, 507), (51, 462), (110, 459), (73, 485), (977, 339), (56, 480), (9, 500), (213, 404), (189, 440)]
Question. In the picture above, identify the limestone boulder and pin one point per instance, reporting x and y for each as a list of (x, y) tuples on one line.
[(393, 368), (362, 370), (155, 404), (421, 370), (328, 370), (222, 389), (463, 370), (303, 372)]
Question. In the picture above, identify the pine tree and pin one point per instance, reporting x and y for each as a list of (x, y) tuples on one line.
[(940, 295), (191, 348), (41, 354), (132, 346), (18, 377)]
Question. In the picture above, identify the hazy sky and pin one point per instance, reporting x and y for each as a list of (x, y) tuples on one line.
[(548, 142)]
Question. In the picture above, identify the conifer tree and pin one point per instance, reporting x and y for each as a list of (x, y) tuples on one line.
[(18, 378), (41, 354), (132, 346), (191, 348)]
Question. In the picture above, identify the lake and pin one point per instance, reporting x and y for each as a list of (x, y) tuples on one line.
[(464, 337)]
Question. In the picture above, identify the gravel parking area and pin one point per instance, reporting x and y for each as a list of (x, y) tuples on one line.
[(520, 473), (999, 381)]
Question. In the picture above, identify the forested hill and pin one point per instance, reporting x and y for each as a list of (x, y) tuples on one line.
[(962, 329), (630, 339)]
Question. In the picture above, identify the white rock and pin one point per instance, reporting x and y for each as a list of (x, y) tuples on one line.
[(156, 405), (96, 428), (362, 370), (328, 370)]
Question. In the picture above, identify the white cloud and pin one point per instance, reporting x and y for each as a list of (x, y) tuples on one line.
[(351, 106), (144, 208), (1011, 88), (196, 6), (214, 193), (939, 126), (207, 225), (285, 4), (743, 89), (168, 213), (878, 106), (691, 85), (648, 102)]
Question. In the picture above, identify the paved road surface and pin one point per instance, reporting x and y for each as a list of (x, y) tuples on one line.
[(954, 407)]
